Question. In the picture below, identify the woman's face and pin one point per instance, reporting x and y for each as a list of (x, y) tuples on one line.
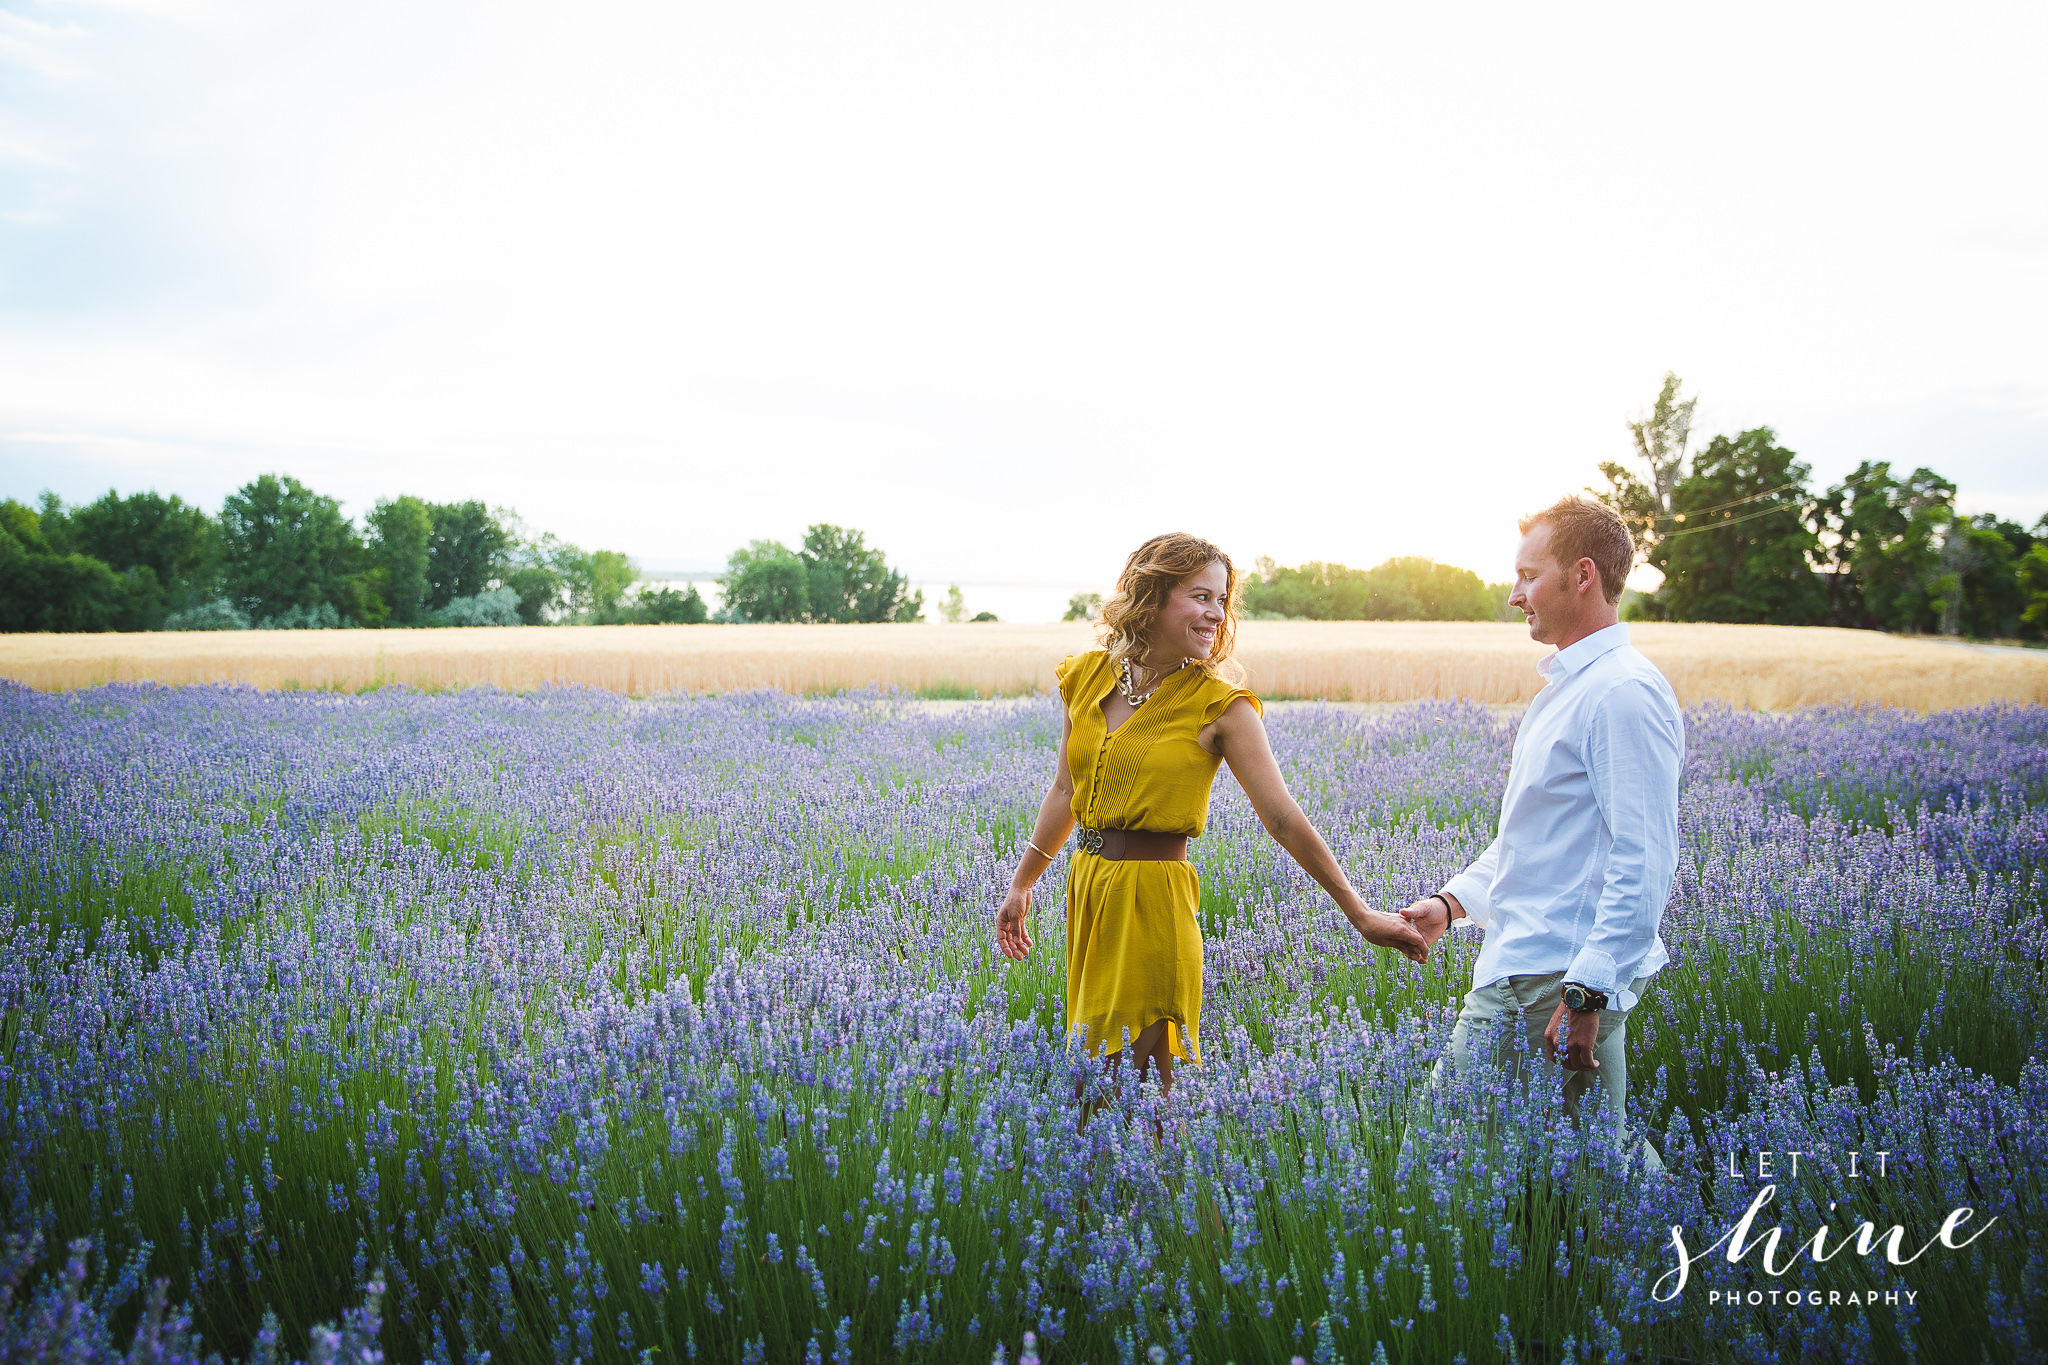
[(1193, 613)]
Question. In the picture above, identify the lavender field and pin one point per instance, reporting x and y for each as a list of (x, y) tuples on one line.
[(563, 1026)]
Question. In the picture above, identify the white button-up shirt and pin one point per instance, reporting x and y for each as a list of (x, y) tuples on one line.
[(1581, 865)]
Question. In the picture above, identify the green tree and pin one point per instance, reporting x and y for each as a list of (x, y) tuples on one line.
[(2032, 573), (954, 609), (836, 576), (47, 522), (1082, 606), (287, 547), (595, 584), (1443, 591), (847, 580), (44, 590), (467, 553), (539, 587), (1317, 591), (1740, 543), (668, 607), (1647, 505), (178, 543), (532, 568), (1983, 556), (400, 553), (141, 599), (766, 581), (1409, 588), (553, 579), (1881, 547)]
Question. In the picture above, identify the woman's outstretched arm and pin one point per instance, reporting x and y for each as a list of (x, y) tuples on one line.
[(1055, 823), (1240, 736)]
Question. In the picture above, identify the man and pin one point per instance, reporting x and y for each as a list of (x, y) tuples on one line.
[(1570, 891)]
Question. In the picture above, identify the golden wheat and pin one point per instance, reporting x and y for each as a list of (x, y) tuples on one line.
[(1767, 667)]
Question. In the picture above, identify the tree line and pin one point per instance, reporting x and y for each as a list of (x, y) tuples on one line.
[(1740, 534), (278, 555), (1409, 588), (1737, 531), (834, 577)]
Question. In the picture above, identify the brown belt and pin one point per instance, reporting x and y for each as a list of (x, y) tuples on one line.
[(1142, 845)]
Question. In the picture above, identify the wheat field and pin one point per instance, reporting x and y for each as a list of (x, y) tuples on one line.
[(1762, 667)]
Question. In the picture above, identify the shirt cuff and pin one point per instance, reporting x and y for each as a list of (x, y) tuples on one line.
[(1595, 969), (1472, 895)]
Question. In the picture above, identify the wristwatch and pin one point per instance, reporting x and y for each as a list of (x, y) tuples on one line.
[(1583, 999)]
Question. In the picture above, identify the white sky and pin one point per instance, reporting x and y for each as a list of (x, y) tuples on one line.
[(1011, 287)]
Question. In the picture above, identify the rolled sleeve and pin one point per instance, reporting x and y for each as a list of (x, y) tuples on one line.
[(1593, 967), (1474, 886), (1634, 743)]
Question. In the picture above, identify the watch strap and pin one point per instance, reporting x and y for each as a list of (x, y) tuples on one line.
[(1593, 1000)]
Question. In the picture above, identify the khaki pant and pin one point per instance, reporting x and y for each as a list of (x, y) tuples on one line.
[(1524, 1004)]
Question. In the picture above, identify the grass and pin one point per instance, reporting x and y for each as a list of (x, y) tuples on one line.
[(947, 689), (1763, 667)]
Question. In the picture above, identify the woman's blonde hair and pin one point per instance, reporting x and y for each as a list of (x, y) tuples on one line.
[(1150, 575)]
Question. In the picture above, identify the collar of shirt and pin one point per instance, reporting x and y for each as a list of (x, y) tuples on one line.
[(1576, 656)]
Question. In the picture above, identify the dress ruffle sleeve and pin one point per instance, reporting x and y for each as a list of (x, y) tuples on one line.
[(1073, 671), (1214, 707)]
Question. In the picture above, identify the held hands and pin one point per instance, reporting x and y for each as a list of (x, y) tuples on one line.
[(1431, 918), (1389, 931), (1013, 924), (1579, 1042)]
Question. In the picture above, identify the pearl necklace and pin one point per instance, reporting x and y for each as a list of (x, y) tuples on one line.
[(1123, 684)]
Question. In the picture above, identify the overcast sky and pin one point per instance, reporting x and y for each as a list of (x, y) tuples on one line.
[(1011, 287)]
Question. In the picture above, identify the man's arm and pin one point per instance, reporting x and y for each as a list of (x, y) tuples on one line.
[(1472, 890), (1633, 747)]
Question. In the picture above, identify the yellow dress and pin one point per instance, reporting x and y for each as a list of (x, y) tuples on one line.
[(1134, 950)]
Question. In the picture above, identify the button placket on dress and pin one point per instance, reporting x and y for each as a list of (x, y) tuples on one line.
[(1102, 755)]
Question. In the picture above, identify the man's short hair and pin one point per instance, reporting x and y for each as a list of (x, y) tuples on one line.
[(1581, 528)]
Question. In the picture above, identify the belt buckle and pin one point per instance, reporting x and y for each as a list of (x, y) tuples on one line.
[(1090, 840)]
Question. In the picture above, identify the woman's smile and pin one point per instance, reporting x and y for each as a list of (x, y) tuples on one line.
[(1190, 619)]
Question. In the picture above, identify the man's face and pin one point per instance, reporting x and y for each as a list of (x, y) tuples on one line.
[(1548, 592)]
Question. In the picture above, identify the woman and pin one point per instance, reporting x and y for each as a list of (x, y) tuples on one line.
[(1148, 720)]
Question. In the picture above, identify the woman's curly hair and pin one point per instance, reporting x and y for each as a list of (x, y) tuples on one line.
[(1150, 575)]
